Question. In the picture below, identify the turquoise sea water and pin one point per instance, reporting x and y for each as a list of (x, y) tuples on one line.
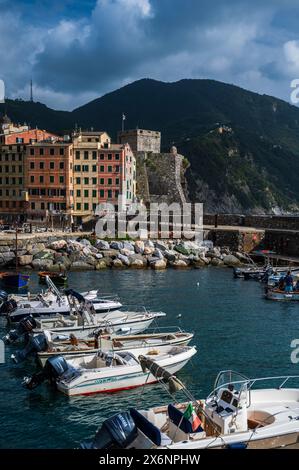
[(235, 328)]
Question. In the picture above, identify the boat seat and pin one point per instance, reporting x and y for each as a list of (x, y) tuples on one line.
[(149, 430)]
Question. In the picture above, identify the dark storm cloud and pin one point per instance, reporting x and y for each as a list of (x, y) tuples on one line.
[(78, 50)]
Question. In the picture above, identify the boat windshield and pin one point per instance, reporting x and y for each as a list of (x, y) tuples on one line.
[(228, 378)]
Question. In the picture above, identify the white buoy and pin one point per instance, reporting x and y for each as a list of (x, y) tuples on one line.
[(197, 284), (179, 315)]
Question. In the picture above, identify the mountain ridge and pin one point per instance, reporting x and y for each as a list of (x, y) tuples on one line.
[(248, 167)]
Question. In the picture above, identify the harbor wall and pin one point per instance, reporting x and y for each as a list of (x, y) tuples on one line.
[(257, 221)]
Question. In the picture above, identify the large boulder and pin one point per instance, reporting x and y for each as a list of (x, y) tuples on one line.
[(58, 245), (137, 264), (180, 264), (161, 245), (116, 245), (129, 246), (216, 262), (199, 263), (81, 265), (149, 243), (158, 254), (231, 260), (158, 265), (182, 250), (139, 246), (42, 264), (170, 255), (102, 245), (25, 259), (124, 259), (117, 263), (101, 265), (85, 242), (148, 250), (46, 254)]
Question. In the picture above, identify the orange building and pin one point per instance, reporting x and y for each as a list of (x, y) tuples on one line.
[(49, 179), (13, 142)]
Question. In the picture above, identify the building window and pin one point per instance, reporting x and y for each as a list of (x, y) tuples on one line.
[(86, 193), (102, 156), (41, 151), (61, 151), (86, 180), (20, 180), (77, 155), (78, 193), (61, 165), (109, 181), (86, 206), (31, 179), (109, 169), (51, 179), (102, 168), (78, 206), (94, 181), (94, 155), (31, 151), (52, 151), (109, 156), (109, 194), (42, 204), (31, 165), (94, 168), (117, 169), (102, 193), (94, 193), (117, 156), (61, 179), (85, 168), (117, 181), (52, 165), (116, 193), (41, 179), (77, 167), (41, 165), (33, 205), (78, 180), (85, 155)]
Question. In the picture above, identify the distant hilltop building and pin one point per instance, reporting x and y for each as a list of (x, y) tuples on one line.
[(141, 140)]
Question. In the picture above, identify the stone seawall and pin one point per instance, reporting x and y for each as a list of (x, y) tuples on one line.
[(263, 221), (64, 252)]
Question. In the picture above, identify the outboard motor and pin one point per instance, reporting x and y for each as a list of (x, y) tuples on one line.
[(35, 345), (54, 368), (8, 306), (24, 327), (116, 432)]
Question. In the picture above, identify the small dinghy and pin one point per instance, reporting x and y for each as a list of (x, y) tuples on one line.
[(59, 279), (43, 347), (14, 280), (107, 372), (277, 294), (237, 414)]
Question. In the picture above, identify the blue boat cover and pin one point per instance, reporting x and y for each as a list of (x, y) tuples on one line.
[(145, 426)]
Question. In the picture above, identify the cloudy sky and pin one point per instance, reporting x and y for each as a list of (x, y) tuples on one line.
[(77, 50)]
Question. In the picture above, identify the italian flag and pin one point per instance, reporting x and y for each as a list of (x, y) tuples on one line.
[(191, 415)]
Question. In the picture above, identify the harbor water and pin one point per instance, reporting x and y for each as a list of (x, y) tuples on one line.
[(235, 328)]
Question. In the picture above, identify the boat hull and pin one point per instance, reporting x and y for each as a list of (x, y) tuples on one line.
[(44, 356), (282, 296), (15, 281), (129, 377)]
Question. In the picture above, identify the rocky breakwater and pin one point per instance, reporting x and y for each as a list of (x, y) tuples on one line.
[(94, 254)]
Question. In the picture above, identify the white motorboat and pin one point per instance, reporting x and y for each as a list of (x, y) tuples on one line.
[(53, 303), (84, 327), (151, 344), (238, 413), (107, 372)]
